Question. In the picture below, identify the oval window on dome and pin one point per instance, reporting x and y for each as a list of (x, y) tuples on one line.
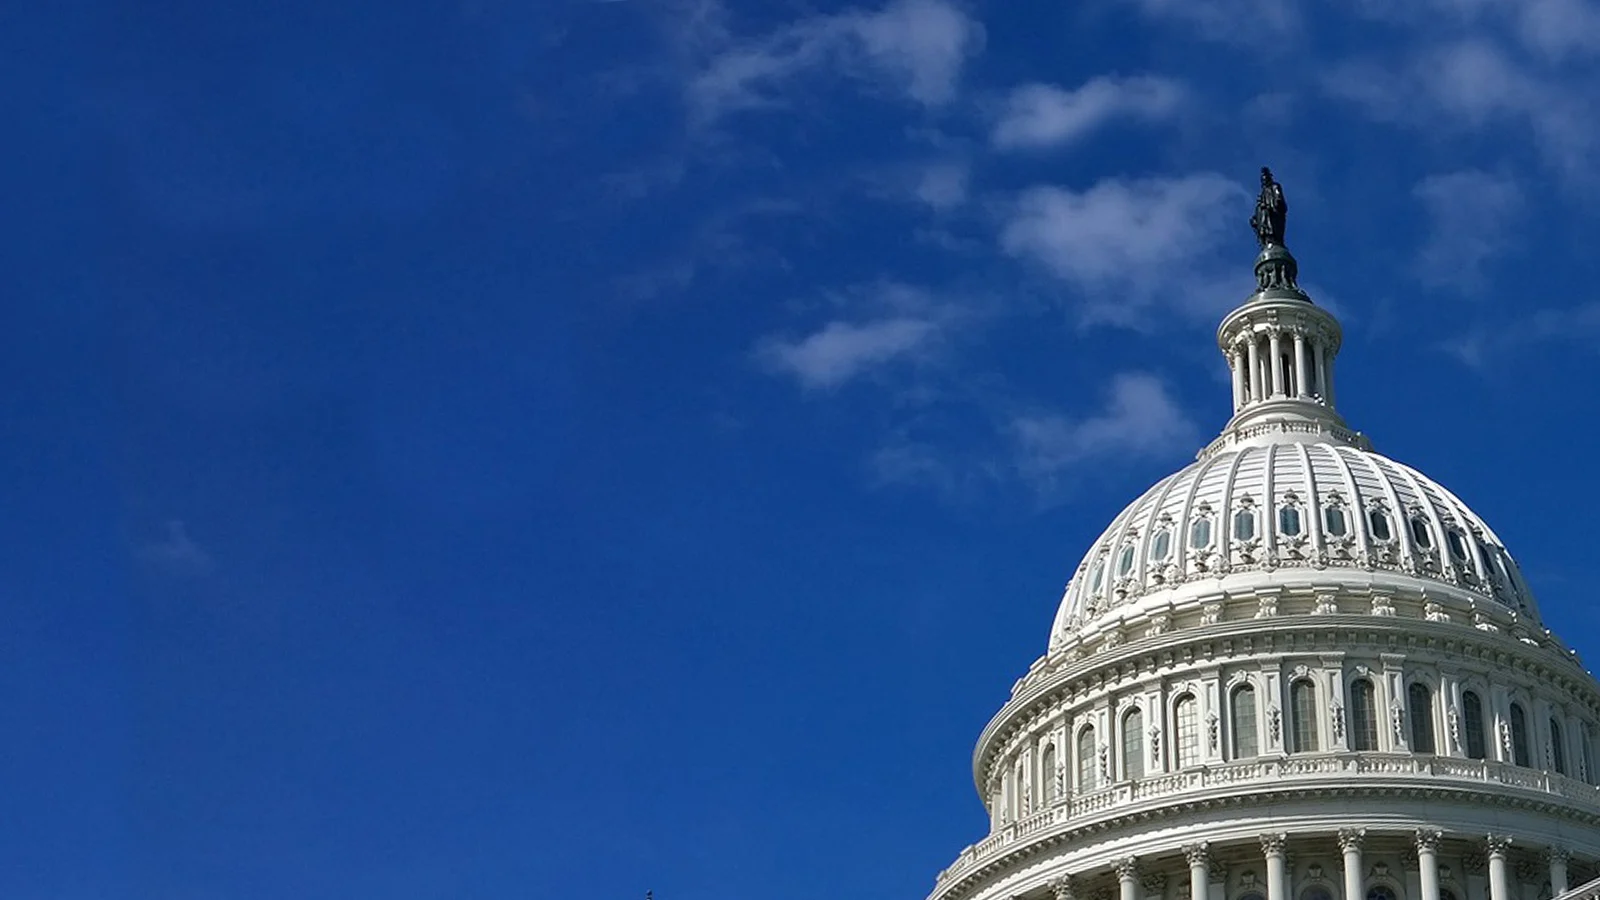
[(1458, 547), (1125, 561), (1378, 521), (1161, 545), (1244, 525), (1334, 518), (1200, 533), (1421, 533), (1289, 521)]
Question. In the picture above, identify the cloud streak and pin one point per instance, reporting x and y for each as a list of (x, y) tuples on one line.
[(912, 49), (1042, 116), (1122, 242), (1140, 420)]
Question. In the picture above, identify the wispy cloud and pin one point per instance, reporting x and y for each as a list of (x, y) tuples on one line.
[(891, 324), (914, 49), (1229, 21), (1473, 84), (174, 552), (1125, 244), (1140, 420), (1038, 116), (841, 350), (1485, 346), (943, 186), (1470, 217)]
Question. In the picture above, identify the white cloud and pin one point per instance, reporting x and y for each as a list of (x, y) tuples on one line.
[(1229, 21), (914, 48), (1041, 115), (842, 350), (1473, 84), (1140, 420), (943, 186), (1122, 241), (1471, 213), (1554, 30)]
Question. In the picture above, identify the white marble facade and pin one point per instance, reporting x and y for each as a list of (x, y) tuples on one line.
[(1294, 670)]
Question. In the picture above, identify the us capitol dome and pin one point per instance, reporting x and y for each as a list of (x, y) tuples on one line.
[(1294, 670)]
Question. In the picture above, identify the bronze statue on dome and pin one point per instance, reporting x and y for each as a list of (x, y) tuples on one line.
[(1272, 211)]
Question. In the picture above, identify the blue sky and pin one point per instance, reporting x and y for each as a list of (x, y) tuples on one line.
[(490, 449)]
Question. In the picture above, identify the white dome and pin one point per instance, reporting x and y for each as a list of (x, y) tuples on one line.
[(1277, 507)]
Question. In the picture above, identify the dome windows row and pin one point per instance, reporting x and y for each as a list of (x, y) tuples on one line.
[(1136, 738), (1486, 567)]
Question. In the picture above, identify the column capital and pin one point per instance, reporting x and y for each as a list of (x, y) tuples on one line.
[(1350, 839), (1273, 844), (1197, 854), (1061, 888), (1497, 845), (1556, 854), (1428, 840), (1127, 868)]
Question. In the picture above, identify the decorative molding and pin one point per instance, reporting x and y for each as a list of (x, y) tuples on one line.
[(1197, 854), (1350, 839), (1497, 845), (1274, 844), (1154, 883), (1062, 888), (1127, 868), (1428, 839), (1528, 872)]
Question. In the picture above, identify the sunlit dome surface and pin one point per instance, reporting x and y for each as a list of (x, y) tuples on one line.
[(1309, 505)]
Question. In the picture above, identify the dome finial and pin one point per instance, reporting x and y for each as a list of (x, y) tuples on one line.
[(1276, 269), (1272, 211)]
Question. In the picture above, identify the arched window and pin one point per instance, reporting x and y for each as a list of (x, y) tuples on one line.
[(1302, 717), (1244, 524), (1419, 703), (1125, 561), (1316, 892), (1381, 892), (1253, 895), (1200, 533), (1519, 736), (1378, 524), (1472, 725), (1334, 520), (1050, 774), (1187, 713), (1087, 780), (1288, 521), (1097, 575), (1161, 545), (1421, 532), (1133, 744), (1446, 894), (1558, 753), (1363, 715), (1457, 545), (1243, 711)]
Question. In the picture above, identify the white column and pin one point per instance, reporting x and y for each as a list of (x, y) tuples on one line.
[(1236, 364), (1253, 357), (1275, 345), (1499, 883), (1273, 846), (1199, 857), (1558, 869), (1350, 845), (1322, 373), (1128, 878), (1300, 371), (1428, 862)]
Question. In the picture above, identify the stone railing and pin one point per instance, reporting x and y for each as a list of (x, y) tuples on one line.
[(1340, 768)]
